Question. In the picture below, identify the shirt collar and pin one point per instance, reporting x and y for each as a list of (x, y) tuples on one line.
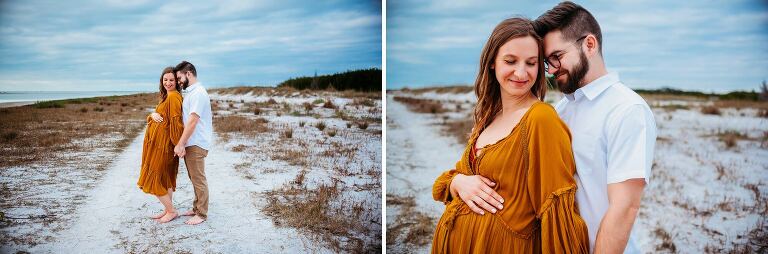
[(594, 88), (193, 86)]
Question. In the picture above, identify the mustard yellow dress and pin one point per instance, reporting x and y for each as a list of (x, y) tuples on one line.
[(159, 166), (533, 168)]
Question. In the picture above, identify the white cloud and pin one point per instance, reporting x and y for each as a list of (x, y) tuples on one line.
[(229, 39), (713, 43)]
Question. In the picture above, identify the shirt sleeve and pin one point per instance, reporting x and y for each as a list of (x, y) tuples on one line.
[(197, 104), (551, 186), (630, 140)]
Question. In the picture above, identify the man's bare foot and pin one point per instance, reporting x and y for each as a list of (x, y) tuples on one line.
[(189, 213), (168, 217), (194, 220), (158, 216)]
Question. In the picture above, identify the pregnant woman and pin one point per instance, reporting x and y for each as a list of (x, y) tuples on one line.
[(513, 189), (159, 165)]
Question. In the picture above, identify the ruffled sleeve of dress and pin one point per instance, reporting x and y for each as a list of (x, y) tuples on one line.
[(551, 185), (441, 190), (175, 121)]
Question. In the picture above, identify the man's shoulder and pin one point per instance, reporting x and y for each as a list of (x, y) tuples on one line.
[(617, 101), (199, 93), (202, 91), (625, 103), (619, 94)]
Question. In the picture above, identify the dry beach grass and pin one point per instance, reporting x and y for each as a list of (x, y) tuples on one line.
[(322, 150), (52, 152), (309, 163)]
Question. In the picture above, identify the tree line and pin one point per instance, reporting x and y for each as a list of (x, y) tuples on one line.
[(359, 80)]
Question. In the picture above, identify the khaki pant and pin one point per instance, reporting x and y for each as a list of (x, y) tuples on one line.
[(195, 161)]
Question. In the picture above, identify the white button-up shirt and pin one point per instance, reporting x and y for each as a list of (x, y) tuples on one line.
[(614, 134), (196, 101)]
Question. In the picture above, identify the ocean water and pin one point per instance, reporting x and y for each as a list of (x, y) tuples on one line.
[(34, 96)]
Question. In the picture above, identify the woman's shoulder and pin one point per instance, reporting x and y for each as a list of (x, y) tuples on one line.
[(542, 111), (544, 118), (174, 94)]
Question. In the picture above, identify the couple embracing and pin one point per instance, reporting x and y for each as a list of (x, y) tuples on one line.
[(541, 179), (178, 128)]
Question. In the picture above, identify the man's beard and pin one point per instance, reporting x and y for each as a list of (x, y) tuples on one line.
[(184, 84), (575, 77)]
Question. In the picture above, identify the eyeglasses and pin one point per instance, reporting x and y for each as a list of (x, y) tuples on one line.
[(554, 60)]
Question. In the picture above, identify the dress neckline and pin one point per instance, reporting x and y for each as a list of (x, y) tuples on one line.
[(495, 144)]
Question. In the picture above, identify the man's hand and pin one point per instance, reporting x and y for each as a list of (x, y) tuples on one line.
[(179, 150), (156, 117), (477, 193)]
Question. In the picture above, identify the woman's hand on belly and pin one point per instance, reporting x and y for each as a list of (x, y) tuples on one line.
[(477, 193), (156, 117)]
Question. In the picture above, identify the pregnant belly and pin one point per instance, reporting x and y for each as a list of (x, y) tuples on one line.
[(157, 133)]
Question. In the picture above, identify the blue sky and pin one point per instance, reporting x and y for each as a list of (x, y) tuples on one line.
[(118, 45), (693, 45)]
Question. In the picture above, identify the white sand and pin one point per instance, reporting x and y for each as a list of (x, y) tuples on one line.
[(688, 199), (114, 219), (88, 200), (15, 104), (417, 152)]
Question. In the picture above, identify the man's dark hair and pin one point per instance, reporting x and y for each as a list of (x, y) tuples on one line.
[(185, 66), (572, 20)]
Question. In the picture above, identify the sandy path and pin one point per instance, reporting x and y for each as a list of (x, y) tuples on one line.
[(114, 219), (417, 153)]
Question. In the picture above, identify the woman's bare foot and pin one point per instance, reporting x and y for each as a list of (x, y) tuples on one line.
[(189, 213), (168, 217), (194, 220), (158, 216)]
